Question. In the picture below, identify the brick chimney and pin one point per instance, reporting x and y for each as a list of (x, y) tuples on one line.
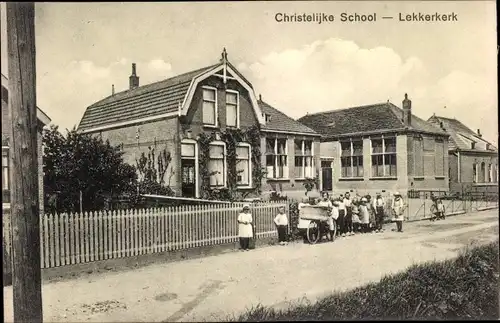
[(479, 133), (133, 79), (406, 111)]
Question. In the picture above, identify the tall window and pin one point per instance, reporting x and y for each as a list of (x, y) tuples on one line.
[(209, 106), (188, 153), (351, 159), (384, 157), (304, 159), (276, 158), (243, 165), (439, 157), (5, 169), (494, 173), (5, 175), (217, 164), (232, 108), (482, 173), (474, 173)]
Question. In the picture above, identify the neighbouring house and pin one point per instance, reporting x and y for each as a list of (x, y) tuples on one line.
[(214, 127), (473, 161), (43, 120), (380, 147)]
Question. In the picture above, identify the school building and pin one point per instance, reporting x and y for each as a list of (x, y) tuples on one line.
[(380, 147)]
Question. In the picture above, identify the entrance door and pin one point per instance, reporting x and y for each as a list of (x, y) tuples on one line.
[(326, 175), (188, 178)]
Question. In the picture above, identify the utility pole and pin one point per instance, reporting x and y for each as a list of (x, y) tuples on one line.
[(25, 208)]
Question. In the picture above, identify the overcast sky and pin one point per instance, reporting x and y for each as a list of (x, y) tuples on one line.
[(83, 48)]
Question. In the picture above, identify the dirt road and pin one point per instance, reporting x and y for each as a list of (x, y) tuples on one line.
[(213, 287)]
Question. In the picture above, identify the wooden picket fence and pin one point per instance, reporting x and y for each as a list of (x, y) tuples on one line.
[(68, 239)]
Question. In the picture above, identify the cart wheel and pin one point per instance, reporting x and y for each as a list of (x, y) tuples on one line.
[(313, 232)]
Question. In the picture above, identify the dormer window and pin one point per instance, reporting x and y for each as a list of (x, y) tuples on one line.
[(267, 117), (209, 106), (472, 145), (232, 108)]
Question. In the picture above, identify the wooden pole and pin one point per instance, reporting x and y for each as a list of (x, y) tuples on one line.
[(26, 276)]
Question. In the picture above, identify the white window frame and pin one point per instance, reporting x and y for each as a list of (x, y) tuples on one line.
[(224, 163), (304, 156), (196, 169), (216, 112), (246, 145), (475, 172), (237, 108), (351, 156), (383, 153), (275, 154)]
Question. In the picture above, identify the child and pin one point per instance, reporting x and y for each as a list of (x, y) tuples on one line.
[(335, 217), (342, 215), (398, 207), (371, 212), (281, 221), (245, 230), (348, 215), (440, 209), (364, 215), (356, 223), (379, 205)]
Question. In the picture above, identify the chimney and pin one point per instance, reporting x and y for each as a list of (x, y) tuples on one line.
[(407, 111), (112, 89), (479, 133), (133, 79), (260, 97)]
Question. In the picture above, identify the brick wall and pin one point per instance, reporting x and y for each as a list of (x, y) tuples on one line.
[(159, 134), (468, 159)]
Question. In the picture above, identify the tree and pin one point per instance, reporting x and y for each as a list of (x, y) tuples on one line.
[(82, 165)]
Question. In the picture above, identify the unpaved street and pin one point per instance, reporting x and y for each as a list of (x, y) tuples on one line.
[(212, 287)]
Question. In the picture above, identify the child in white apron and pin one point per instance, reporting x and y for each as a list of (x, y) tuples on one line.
[(398, 207), (245, 230)]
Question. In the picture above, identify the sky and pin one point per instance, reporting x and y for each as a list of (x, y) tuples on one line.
[(447, 68)]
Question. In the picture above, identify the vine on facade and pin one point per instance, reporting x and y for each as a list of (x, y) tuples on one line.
[(231, 138)]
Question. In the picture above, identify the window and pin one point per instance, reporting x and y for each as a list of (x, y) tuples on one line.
[(474, 173), (5, 169), (232, 109), (351, 159), (494, 173), (276, 158), (5, 175), (243, 165), (439, 158), (217, 164), (209, 106), (188, 152), (482, 173), (304, 159), (384, 157)]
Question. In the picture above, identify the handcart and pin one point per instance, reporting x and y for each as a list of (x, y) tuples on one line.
[(314, 219)]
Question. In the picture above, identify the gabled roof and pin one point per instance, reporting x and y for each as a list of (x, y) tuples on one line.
[(280, 122), (148, 100), (41, 116), (461, 136), (365, 119)]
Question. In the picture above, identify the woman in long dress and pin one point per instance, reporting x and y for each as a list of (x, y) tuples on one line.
[(245, 230), (398, 207)]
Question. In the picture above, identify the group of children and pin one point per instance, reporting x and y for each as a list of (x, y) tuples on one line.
[(351, 215), (360, 214)]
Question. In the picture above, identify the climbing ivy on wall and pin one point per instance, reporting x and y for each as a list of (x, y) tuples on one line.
[(231, 137)]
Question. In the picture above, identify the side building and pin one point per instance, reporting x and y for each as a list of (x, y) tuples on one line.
[(178, 114), (473, 161), (380, 147), (43, 120)]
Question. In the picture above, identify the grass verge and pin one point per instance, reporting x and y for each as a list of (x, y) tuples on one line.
[(461, 288)]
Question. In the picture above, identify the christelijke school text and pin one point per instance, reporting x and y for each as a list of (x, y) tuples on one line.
[(356, 17)]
